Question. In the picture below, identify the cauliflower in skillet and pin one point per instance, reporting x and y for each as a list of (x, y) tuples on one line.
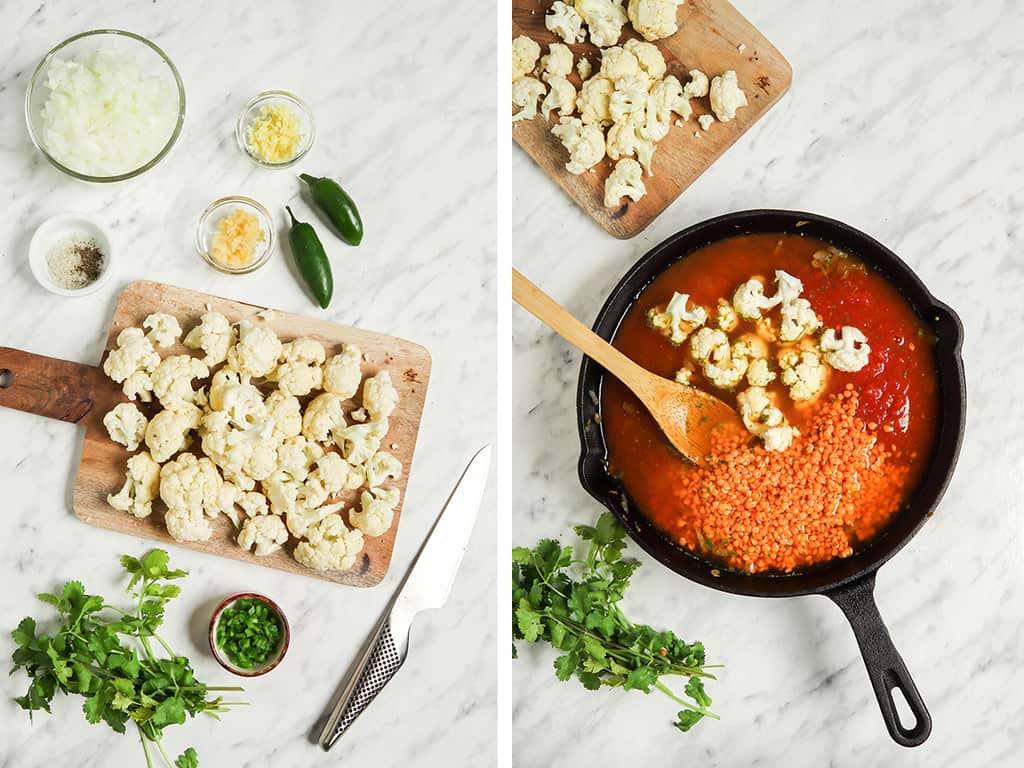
[(379, 396), (764, 420), (706, 341), (749, 300), (380, 467), (677, 322), (256, 352), (524, 56), (562, 97), (214, 335), (330, 545), (526, 91), (626, 180), (725, 316), (604, 20), (164, 330), (654, 19), (726, 366), (726, 96), (563, 20), (167, 432), (342, 373), (126, 425), (803, 373), (376, 512), (267, 533), (849, 352), (798, 319), (172, 380), (299, 370), (585, 143), (141, 486), (134, 356), (759, 372), (323, 416)]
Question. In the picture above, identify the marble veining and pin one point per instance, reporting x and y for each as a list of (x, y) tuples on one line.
[(388, 94), (904, 120)]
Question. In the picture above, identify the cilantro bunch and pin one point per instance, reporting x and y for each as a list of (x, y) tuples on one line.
[(121, 684), (574, 605)]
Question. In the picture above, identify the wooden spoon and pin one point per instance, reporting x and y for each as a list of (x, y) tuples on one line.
[(685, 414)]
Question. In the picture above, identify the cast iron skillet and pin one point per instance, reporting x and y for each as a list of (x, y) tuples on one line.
[(848, 582)]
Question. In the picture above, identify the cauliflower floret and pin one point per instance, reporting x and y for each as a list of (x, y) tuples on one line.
[(628, 103), (798, 318), (282, 491), (726, 96), (244, 455), (749, 300), (232, 394), (167, 432), (296, 456), (803, 373), (380, 398), (618, 64), (267, 533), (524, 56), (323, 416), (126, 425), (725, 316), (360, 441), (684, 375), (525, 93), (376, 512), (759, 373), (604, 19), (253, 503), (286, 413), (584, 142), (788, 288), (301, 519), (705, 121), (257, 350), (698, 85), (557, 62), (214, 335), (667, 97), (342, 372), (563, 20), (380, 467), (624, 181), (849, 352), (228, 496), (562, 97), (330, 546), (299, 370), (191, 483), (654, 19), (648, 56), (763, 419), (624, 140), (172, 380), (594, 101), (584, 68), (707, 342), (332, 471), (188, 525), (678, 321), (726, 366), (134, 353), (141, 486), (138, 386), (164, 329)]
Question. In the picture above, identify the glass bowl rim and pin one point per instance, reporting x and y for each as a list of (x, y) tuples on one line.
[(41, 66), (286, 96), (200, 241)]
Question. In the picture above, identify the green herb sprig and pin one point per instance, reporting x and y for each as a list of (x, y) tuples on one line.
[(121, 684), (248, 632), (574, 605)]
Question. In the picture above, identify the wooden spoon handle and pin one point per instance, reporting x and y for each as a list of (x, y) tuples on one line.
[(46, 386), (549, 312)]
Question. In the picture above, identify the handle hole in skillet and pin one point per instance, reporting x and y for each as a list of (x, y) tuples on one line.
[(6, 378), (904, 714)]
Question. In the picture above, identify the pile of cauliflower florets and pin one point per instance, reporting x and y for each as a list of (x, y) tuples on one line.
[(629, 104), (228, 435), (801, 363)]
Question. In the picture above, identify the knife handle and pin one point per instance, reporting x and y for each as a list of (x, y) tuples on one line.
[(376, 666)]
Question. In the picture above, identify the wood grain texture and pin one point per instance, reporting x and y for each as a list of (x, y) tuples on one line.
[(46, 386), (102, 466), (710, 32)]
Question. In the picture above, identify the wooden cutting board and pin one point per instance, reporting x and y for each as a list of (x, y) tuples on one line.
[(82, 394), (710, 33)]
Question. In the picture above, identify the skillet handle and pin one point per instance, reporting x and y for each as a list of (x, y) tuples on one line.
[(885, 666)]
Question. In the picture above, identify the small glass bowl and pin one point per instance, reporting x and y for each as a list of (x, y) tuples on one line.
[(217, 210), (251, 111), (275, 658)]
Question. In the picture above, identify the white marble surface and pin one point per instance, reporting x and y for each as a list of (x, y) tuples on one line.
[(907, 121), (389, 96)]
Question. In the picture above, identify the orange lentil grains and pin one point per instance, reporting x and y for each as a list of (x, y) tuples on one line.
[(759, 510)]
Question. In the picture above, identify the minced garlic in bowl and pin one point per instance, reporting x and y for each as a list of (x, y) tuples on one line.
[(235, 235), (275, 129)]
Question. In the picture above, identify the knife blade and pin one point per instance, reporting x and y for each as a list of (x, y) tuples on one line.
[(426, 585)]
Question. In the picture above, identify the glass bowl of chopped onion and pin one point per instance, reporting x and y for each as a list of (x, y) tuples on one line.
[(275, 129), (235, 235), (105, 105)]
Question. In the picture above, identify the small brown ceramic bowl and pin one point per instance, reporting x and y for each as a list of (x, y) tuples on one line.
[(273, 659)]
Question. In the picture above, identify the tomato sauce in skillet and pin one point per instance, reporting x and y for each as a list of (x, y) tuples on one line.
[(864, 444)]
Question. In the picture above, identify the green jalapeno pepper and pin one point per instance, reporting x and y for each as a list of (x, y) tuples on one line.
[(337, 206), (311, 260)]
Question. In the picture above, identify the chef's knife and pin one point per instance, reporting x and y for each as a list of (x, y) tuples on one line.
[(425, 586)]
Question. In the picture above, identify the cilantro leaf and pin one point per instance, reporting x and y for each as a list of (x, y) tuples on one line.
[(187, 759)]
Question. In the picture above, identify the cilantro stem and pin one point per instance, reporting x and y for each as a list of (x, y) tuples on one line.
[(688, 704), (145, 749), (160, 746)]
